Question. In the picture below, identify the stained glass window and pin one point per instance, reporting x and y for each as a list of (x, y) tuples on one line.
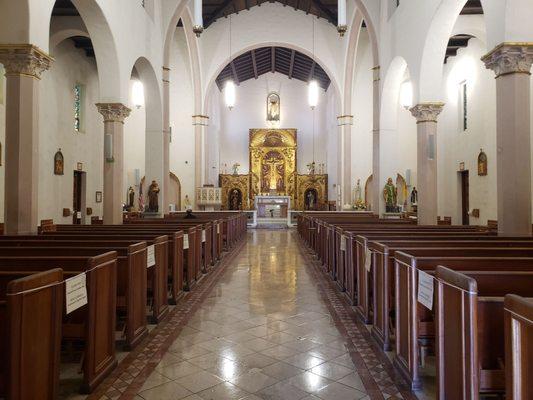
[(78, 107), (464, 106)]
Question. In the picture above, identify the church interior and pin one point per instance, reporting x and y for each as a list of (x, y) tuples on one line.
[(251, 199)]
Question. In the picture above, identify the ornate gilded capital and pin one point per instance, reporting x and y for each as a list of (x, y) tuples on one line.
[(24, 59), (426, 112), (510, 58), (113, 112)]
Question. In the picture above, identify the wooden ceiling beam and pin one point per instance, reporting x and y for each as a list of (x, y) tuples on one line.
[(273, 59), (330, 16), (217, 13), (254, 64), (312, 71), (291, 67)]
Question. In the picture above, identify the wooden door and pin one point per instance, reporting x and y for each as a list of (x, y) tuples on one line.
[(77, 196), (465, 197)]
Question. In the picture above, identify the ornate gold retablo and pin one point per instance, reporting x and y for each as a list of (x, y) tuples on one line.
[(273, 162)]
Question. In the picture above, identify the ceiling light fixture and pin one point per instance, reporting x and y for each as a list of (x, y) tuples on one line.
[(198, 26)]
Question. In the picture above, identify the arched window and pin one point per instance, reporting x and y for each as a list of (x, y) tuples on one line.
[(79, 100)]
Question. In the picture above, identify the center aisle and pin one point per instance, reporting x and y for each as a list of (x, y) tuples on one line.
[(267, 331)]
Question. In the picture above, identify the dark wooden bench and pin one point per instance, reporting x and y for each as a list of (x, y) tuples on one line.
[(414, 323), (31, 307), (93, 323), (469, 314)]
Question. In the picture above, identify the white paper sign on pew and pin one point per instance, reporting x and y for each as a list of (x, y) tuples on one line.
[(203, 236), (75, 292), (185, 241), (343, 243), (218, 228), (150, 256), (425, 289), (368, 259)]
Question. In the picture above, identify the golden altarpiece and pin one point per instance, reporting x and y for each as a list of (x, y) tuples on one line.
[(273, 171)]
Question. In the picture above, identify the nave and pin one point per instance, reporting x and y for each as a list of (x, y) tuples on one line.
[(265, 327)]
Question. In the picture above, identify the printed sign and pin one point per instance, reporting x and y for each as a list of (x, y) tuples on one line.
[(203, 236), (78, 214), (75, 292), (150, 256), (425, 289), (343, 243), (218, 228), (368, 259), (185, 241)]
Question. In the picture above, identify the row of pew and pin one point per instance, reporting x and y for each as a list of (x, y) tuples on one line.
[(98, 287), (460, 293)]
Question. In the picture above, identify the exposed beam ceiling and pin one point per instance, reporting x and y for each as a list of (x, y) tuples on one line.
[(257, 62)]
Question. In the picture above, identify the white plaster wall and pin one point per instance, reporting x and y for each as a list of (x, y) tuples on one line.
[(182, 147), (250, 112), (456, 145), (362, 109), (56, 130)]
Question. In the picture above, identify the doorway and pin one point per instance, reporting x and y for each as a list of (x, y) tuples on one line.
[(465, 197), (78, 198)]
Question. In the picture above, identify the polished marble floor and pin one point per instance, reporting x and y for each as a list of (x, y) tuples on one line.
[(263, 333), (269, 325)]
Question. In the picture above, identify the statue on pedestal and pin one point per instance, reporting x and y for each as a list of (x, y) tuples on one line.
[(359, 204), (153, 195), (414, 196), (390, 195), (131, 198), (187, 203)]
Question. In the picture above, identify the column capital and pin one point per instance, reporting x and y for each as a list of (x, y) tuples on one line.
[(24, 59), (510, 58), (426, 112), (201, 120), (113, 112), (344, 120)]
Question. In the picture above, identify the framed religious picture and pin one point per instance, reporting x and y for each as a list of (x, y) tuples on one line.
[(273, 107), (59, 163), (482, 163), (98, 198)]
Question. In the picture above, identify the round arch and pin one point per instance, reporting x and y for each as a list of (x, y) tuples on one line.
[(211, 82)]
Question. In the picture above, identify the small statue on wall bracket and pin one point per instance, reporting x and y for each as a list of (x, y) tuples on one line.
[(482, 168), (59, 163)]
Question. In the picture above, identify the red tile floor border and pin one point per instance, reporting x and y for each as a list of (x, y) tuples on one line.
[(132, 372), (379, 377)]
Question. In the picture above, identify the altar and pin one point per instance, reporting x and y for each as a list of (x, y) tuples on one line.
[(272, 206)]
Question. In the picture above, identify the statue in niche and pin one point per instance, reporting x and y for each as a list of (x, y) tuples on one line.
[(265, 174), (414, 196), (235, 200), (310, 199), (273, 107), (390, 195), (59, 163), (482, 163), (153, 195), (280, 182), (131, 198)]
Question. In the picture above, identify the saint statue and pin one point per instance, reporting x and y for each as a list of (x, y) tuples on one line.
[(414, 196), (131, 197), (273, 107), (358, 192), (235, 200), (390, 195), (153, 194), (310, 200), (187, 203)]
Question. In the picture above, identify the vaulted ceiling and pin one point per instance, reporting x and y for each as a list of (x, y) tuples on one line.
[(257, 62)]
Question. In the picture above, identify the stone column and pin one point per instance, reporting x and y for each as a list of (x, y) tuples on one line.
[(166, 139), (511, 63), (376, 173), (24, 64), (345, 123), (114, 115), (426, 120)]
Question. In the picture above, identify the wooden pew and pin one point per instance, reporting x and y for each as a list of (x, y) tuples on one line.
[(414, 323), (518, 320), (469, 311), (31, 307), (383, 250), (93, 323)]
